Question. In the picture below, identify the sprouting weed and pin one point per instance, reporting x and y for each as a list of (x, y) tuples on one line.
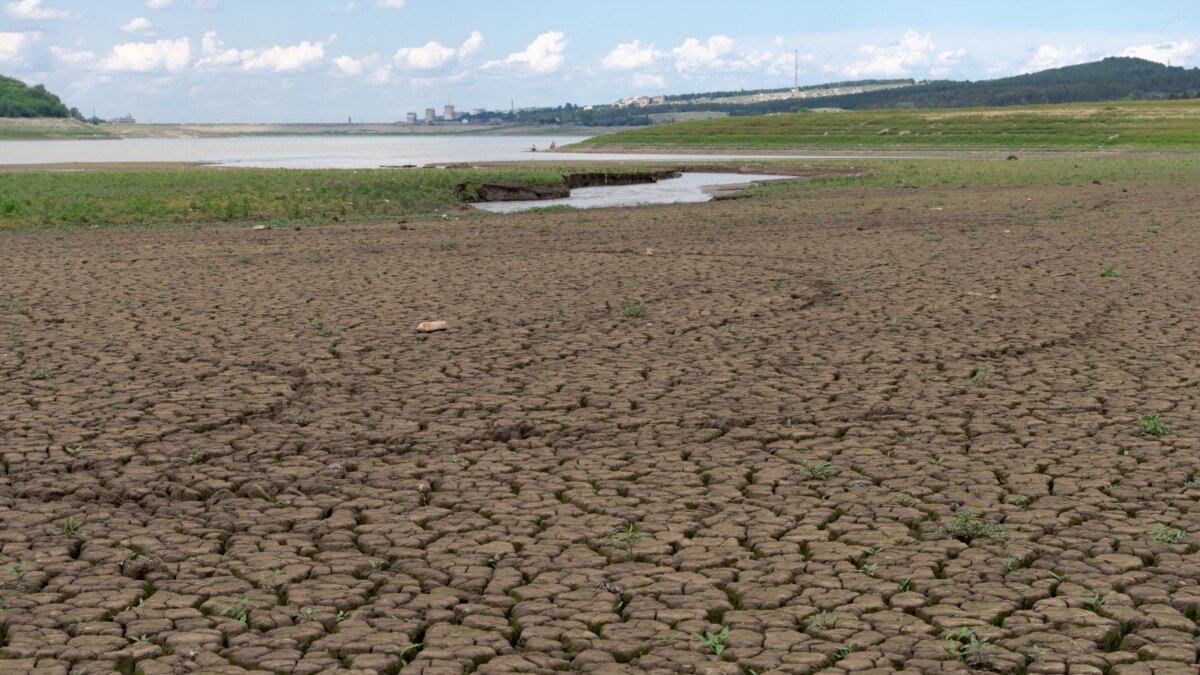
[(714, 642)]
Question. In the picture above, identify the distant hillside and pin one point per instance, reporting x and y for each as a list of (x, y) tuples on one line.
[(20, 100), (1113, 79)]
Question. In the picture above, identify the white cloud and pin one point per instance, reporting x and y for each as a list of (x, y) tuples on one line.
[(948, 61), (283, 59), (78, 59), (893, 60), (215, 54), (543, 55), (32, 9), (349, 66), (432, 55), (15, 48), (630, 55), (647, 80), (390, 4), (1174, 53), (381, 75), (207, 5), (171, 56), (139, 26), (473, 43), (1050, 56), (158, 4), (695, 54)]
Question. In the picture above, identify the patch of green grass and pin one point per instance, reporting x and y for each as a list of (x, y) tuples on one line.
[(44, 371), (551, 208), (14, 337), (71, 527), (626, 539), (1167, 535), (816, 470), (1151, 424), (1109, 271), (967, 525), (967, 647), (633, 308), (227, 195), (318, 324)]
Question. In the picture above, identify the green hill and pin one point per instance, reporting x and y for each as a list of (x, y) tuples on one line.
[(1112, 79), (20, 100), (1137, 125)]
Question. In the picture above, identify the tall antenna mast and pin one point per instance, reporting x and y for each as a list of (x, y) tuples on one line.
[(796, 84)]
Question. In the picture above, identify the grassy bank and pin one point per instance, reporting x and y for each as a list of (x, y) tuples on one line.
[(49, 128), (208, 195), (1143, 126)]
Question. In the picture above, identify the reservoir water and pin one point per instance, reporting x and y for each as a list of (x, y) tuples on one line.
[(689, 187)]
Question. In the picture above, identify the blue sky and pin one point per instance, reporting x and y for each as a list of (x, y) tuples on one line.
[(374, 60)]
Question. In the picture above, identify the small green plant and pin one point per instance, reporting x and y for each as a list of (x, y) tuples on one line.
[(905, 586), (449, 245), (967, 525), (816, 470), (967, 647), (1109, 271), (933, 308), (315, 257), (403, 653), (778, 282), (711, 238), (494, 560), (245, 259), (938, 461), (633, 308), (379, 565), (627, 538), (14, 337), (1095, 602), (195, 457), (71, 527), (45, 371), (1151, 424), (714, 642), (76, 452), (868, 569), (299, 418), (305, 615), (318, 324), (238, 611), (845, 650), (344, 615), (982, 374), (1164, 534)]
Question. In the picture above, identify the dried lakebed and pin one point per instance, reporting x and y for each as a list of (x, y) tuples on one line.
[(869, 430)]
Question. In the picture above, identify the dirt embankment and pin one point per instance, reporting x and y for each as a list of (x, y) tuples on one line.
[(493, 192)]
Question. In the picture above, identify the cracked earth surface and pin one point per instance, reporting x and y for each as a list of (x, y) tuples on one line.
[(862, 430)]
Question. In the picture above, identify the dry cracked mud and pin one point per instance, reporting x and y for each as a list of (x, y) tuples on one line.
[(850, 431)]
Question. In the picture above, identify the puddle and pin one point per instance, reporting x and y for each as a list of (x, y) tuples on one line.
[(690, 187)]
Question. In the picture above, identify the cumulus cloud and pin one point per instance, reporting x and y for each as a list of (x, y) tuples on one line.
[(32, 9), (1168, 52), (696, 54), (277, 59), (543, 55), (390, 4), (139, 26), (171, 56), (281, 59), (347, 65), (432, 55), (893, 60), (948, 61), (207, 5), (381, 75), (1050, 56), (473, 44), (158, 4), (70, 58), (16, 48), (630, 56)]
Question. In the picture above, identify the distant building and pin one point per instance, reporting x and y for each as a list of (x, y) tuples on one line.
[(125, 119), (412, 118), (430, 116), (448, 114), (476, 111)]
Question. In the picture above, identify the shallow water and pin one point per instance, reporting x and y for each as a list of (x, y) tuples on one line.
[(687, 188), (321, 152)]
